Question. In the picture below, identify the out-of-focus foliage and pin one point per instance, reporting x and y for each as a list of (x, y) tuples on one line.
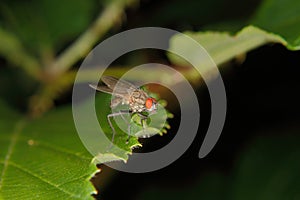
[(267, 169), (280, 28), (46, 25), (221, 46), (282, 18)]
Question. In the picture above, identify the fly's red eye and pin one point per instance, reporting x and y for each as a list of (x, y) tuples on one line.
[(149, 103)]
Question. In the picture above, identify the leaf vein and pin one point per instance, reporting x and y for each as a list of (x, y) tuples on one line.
[(42, 179), (17, 130), (61, 150)]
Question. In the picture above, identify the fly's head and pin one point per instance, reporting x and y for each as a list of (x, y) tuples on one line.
[(151, 104)]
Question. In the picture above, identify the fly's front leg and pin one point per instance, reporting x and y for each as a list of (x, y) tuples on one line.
[(120, 113), (111, 126)]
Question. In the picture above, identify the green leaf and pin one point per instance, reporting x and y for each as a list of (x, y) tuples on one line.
[(281, 17), (221, 46), (43, 159)]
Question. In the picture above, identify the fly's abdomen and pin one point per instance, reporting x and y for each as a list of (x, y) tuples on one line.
[(137, 100)]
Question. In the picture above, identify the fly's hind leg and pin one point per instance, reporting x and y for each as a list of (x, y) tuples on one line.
[(128, 123), (143, 121)]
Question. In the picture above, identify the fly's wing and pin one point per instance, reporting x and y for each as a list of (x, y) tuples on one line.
[(117, 98), (119, 87), (102, 88)]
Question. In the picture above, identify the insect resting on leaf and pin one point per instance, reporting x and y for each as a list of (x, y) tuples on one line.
[(126, 93)]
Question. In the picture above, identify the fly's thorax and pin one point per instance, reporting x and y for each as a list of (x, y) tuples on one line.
[(137, 100), (115, 102)]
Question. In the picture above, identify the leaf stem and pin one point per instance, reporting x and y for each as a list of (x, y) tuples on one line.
[(13, 51), (108, 18)]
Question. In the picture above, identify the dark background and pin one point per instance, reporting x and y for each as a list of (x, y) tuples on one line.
[(263, 105)]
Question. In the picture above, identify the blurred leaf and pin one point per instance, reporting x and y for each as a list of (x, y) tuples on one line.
[(281, 17), (46, 23), (212, 186), (278, 22), (267, 169), (43, 159), (182, 12), (193, 14), (221, 46)]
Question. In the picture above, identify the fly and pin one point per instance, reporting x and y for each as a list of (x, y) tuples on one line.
[(126, 93)]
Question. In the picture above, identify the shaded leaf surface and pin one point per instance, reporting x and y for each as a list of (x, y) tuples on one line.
[(267, 169), (281, 17)]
